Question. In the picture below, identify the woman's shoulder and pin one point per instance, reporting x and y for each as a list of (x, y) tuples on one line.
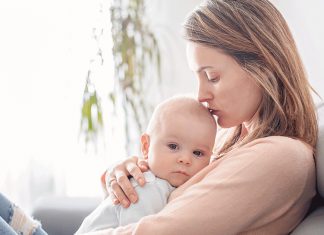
[(276, 152), (271, 160), (281, 146)]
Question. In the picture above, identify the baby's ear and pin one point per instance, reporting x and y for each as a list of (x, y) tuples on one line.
[(145, 144)]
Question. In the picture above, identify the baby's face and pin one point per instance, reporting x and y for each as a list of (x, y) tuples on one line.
[(182, 147)]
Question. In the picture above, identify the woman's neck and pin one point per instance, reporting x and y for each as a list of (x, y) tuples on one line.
[(249, 126)]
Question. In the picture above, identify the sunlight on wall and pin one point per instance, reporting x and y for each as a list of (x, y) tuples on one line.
[(45, 49)]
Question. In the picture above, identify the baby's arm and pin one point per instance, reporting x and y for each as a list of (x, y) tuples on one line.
[(152, 198), (104, 216)]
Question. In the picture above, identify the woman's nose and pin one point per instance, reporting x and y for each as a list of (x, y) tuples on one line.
[(204, 95)]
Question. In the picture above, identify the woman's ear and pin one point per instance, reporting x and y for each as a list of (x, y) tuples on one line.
[(145, 144)]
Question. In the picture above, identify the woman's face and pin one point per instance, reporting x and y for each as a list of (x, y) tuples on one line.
[(231, 94)]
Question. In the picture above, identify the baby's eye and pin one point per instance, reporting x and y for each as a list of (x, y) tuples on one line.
[(198, 153), (173, 146)]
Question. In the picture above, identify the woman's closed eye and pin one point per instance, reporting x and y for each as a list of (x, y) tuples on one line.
[(198, 153), (173, 146), (214, 79)]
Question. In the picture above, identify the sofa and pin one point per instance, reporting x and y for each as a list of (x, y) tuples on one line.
[(313, 223), (63, 215)]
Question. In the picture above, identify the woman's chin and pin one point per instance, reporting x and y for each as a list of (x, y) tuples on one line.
[(223, 123)]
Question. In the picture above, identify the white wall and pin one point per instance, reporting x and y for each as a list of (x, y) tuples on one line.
[(45, 49), (166, 21), (306, 19)]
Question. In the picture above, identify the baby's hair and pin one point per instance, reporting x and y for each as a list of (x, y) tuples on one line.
[(185, 104)]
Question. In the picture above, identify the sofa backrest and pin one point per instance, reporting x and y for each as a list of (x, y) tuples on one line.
[(320, 150)]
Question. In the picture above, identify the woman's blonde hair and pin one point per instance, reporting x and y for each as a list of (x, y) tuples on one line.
[(256, 35)]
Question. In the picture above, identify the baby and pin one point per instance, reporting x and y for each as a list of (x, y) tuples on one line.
[(177, 144)]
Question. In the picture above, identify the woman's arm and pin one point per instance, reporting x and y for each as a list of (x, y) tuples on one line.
[(265, 186)]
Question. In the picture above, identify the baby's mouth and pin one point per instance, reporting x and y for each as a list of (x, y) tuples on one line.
[(182, 172)]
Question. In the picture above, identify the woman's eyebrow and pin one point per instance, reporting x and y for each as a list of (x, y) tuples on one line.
[(203, 67)]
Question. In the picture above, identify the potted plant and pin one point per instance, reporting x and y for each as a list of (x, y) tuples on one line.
[(135, 49)]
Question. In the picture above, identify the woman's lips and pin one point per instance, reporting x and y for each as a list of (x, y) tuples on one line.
[(214, 112)]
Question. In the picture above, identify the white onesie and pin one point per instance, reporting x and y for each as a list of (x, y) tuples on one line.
[(152, 198)]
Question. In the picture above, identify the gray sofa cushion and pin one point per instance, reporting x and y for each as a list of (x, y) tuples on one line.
[(320, 151), (63, 215), (313, 223)]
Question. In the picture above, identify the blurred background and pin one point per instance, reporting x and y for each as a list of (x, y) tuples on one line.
[(65, 112)]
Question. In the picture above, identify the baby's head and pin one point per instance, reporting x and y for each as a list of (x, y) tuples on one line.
[(179, 139)]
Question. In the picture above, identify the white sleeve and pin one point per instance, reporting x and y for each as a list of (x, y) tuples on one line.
[(152, 198), (104, 216)]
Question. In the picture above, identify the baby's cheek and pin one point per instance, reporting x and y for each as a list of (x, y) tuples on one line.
[(200, 165), (157, 169)]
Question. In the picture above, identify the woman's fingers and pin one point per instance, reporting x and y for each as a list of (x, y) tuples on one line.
[(118, 193), (126, 187), (136, 173), (104, 184), (112, 196), (143, 164), (118, 184)]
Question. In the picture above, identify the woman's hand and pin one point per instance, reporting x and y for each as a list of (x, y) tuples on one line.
[(117, 183)]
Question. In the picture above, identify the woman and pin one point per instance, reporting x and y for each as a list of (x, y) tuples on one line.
[(252, 79)]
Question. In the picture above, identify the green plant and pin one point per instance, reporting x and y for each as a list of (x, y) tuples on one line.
[(135, 49), (91, 113)]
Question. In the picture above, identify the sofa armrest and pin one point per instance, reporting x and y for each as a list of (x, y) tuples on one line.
[(63, 215), (312, 225)]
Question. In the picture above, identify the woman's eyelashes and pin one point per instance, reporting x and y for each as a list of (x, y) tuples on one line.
[(212, 77)]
